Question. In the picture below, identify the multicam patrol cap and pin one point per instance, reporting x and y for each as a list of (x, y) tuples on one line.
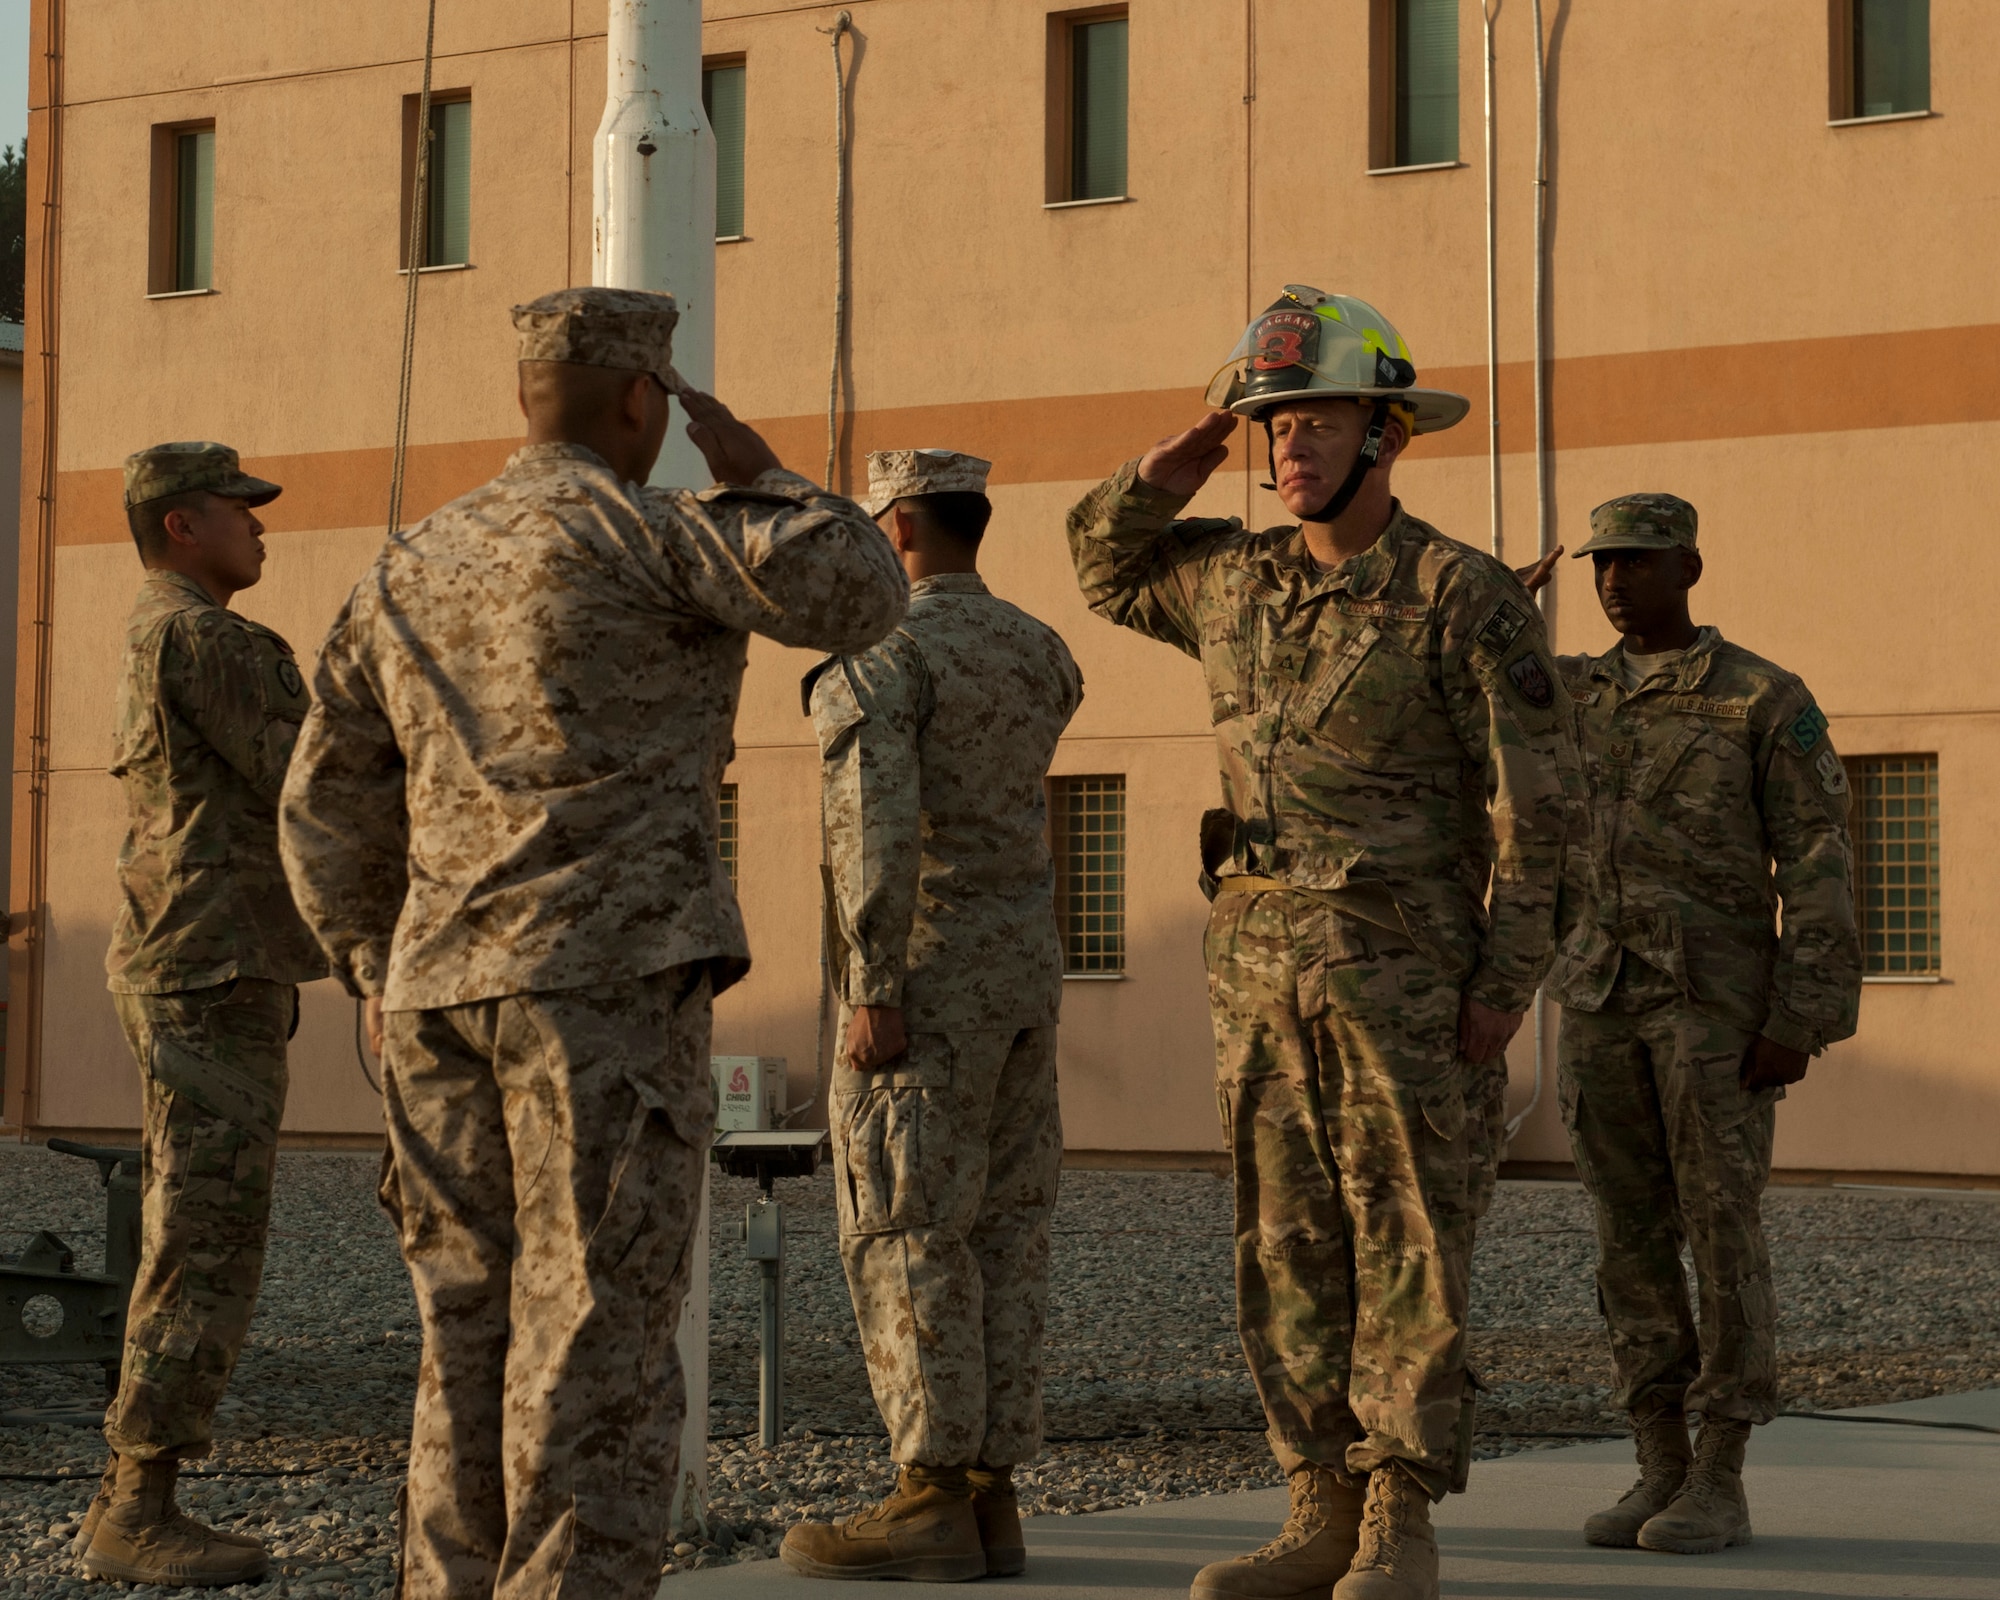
[(164, 469), (1641, 522), (630, 330), (892, 474)]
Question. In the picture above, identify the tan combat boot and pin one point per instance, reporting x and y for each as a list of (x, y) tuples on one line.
[(94, 1514), (926, 1530), (1710, 1513), (1398, 1558), (1310, 1555), (997, 1511), (1661, 1436), (143, 1537)]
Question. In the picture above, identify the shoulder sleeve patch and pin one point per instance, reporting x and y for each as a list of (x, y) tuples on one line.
[(1832, 775), (1806, 729), (1531, 681), (1499, 631)]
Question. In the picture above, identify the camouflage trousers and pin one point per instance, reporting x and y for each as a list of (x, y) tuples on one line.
[(1674, 1151), (544, 1173), (945, 1167), (212, 1068), (1364, 1150)]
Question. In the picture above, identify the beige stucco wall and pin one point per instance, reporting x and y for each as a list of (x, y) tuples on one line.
[(1796, 327)]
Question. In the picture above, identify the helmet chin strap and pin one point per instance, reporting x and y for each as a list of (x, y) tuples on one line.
[(1364, 462)]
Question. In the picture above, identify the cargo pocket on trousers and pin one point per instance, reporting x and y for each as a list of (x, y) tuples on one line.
[(1569, 1101), (635, 1178), (895, 1136)]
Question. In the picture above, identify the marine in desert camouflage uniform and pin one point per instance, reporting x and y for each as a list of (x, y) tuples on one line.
[(1716, 800), (204, 966), (502, 826), (1392, 751), (946, 1133)]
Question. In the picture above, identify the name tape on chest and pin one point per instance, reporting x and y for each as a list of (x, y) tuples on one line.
[(1390, 610), (1703, 707)]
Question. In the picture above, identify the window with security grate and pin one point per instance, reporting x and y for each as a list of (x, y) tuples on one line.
[(725, 831), (1088, 823), (1426, 73), (1898, 864)]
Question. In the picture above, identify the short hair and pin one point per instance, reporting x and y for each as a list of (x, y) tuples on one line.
[(960, 514), (148, 520)]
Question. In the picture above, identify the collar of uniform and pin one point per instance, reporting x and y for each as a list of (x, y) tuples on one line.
[(182, 584), (530, 455), (949, 583), (1362, 576), (1688, 671)]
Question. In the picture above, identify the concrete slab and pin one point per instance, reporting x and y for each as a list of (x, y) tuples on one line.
[(1840, 1508)]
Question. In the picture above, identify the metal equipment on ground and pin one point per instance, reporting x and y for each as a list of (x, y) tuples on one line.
[(50, 1312)]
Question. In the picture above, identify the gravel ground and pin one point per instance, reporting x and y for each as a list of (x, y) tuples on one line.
[(1883, 1296)]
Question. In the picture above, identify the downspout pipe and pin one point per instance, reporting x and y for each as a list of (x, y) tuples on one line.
[(653, 227), (1541, 448), (653, 192), (1491, 9)]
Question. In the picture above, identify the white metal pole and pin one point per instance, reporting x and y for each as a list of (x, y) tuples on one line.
[(653, 227), (654, 191)]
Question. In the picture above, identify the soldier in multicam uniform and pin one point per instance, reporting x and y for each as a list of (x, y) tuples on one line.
[(501, 824), (1715, 799), (946, 1134), (205, 964), (1392, 750)]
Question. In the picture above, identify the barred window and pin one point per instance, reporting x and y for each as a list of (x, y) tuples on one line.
[(725, 830), (1896, 845), (1088, 818)]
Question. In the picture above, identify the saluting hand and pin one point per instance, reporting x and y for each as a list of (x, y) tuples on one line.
[(1181, 465), (735, 452), (1536, 577)]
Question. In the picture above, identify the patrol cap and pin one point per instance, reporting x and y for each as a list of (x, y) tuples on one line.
[(181, 468), (1641, 522), (630, 330), (892, 474)]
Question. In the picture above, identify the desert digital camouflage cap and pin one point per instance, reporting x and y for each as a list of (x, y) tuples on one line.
[(631, 330), (895, 473), (164, 469), (1641, 522)]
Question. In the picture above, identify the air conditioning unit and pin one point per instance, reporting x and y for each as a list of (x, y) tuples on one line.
[(749, 1092)]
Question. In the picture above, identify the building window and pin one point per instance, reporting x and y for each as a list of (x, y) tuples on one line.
[(1881, 56), (183, 243), (725, 831), (1087, 105), (1896, 842), (1088, 817), (722, 89), (1414, 46), (446, 226)]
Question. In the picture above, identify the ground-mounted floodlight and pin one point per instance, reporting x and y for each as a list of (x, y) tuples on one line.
[(768, 1155)]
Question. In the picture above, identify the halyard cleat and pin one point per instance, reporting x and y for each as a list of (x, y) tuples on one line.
[(925, 1531), (1710, 1512), (1661, 1437), (1310, 1554)]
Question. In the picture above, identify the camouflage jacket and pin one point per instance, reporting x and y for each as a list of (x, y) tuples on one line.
[(209, 705), (511, 777), (1389, 729), (1715, 796), (934, 746)]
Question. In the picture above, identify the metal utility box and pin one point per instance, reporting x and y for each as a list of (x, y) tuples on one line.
[(749, 1092)]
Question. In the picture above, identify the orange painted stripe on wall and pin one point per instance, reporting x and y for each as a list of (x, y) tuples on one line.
[(1793, 386)]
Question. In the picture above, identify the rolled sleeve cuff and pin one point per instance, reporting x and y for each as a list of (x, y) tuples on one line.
[(1792, 1034), (1135, 493), (1491, 987), (878, 984)]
